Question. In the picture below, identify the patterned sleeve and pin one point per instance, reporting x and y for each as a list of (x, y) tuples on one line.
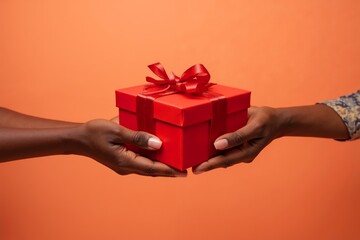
[(348, 108)]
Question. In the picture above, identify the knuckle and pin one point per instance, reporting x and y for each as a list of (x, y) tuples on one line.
[(237, 138), (151, 169), (140, 139), (122, 163), (125, 160), (259, 126), (118, 130), (227, 163)]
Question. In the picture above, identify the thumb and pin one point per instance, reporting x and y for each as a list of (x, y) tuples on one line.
[(234, 139), (141, 139)]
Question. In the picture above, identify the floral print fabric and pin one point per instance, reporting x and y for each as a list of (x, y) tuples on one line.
[(348, 108)]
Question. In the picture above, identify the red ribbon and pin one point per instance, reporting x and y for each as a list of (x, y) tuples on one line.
[(194, 80)]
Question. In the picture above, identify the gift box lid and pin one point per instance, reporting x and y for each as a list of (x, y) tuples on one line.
[(185, 109)]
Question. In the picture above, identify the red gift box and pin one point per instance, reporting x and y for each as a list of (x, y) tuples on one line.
[(187, 124)]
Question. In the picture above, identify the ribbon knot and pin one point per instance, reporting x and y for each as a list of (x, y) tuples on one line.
[(172, 78), (195, 80)]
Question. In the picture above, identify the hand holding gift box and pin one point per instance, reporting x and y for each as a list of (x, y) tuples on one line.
[(187, 113)]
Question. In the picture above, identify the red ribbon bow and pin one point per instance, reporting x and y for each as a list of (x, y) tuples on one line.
[(194, 80)]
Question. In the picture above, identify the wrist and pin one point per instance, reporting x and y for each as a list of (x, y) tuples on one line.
[(74, 140), (285, 121)]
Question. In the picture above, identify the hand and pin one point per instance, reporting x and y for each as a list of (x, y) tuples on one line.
[(246, 143), (103, 141)]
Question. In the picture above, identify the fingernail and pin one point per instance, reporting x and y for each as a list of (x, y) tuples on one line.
[(221, 144), (154, 143)]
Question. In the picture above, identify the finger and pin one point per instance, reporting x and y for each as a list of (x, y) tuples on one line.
[(246, 154), (223, 161), (140, 139), (147, 167), (236, 138)]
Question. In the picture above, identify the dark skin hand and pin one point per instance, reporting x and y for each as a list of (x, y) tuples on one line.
[(266, 124), (23, 136)]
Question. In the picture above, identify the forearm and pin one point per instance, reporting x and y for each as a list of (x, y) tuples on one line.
[(312, 121), (27, 143), (12, 119)]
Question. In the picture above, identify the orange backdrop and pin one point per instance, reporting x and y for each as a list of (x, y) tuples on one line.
[(64, 59)]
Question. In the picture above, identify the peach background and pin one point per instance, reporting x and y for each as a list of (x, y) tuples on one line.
[(64, 59)]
